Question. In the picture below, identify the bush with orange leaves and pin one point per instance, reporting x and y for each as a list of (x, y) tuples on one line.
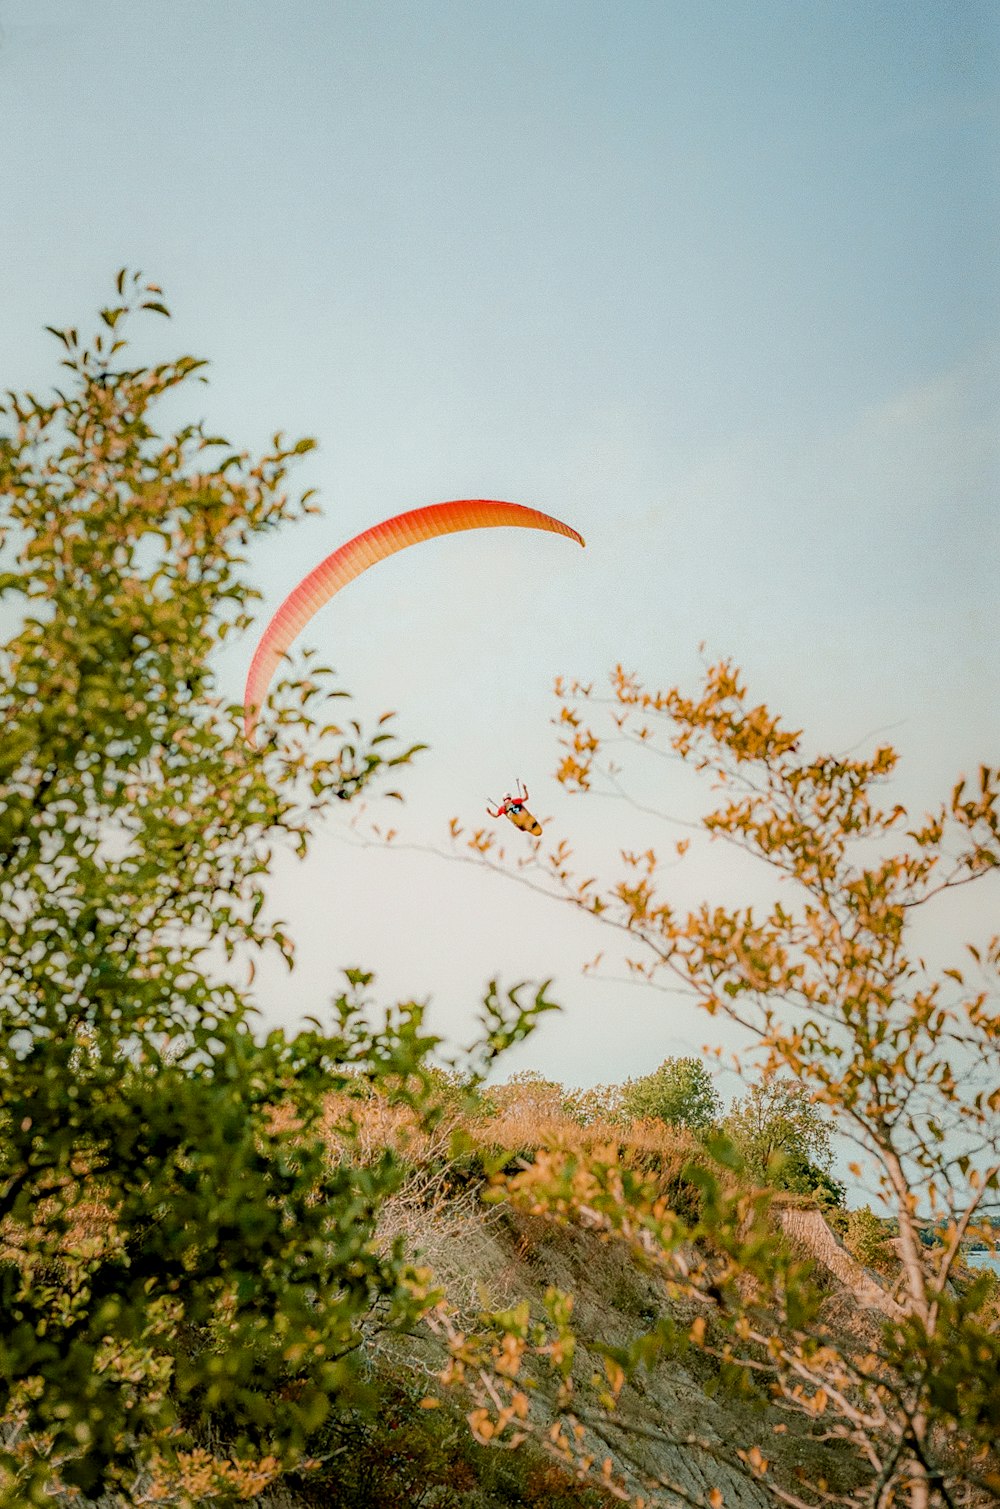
[(827, 980)]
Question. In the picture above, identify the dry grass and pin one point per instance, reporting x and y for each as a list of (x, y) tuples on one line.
[(513, 1120)]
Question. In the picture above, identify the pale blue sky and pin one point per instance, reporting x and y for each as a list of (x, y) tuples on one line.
[(716, 282)]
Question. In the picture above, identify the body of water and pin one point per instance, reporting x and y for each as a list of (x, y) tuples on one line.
[(983, 1260)]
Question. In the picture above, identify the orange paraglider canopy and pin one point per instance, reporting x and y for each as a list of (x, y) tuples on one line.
[(365, 550)]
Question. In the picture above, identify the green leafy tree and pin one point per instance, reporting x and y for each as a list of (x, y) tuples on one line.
[(179, 1246), (783, 1137), (680, 1092), (866, 1236)]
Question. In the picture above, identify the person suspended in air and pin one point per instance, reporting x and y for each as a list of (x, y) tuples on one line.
[(514, 808)]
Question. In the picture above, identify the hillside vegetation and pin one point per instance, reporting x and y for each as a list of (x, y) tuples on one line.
[(688, 1425)]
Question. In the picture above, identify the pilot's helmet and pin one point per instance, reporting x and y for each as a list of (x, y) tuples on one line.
[(507, 797)]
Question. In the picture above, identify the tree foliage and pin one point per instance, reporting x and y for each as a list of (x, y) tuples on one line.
[(783, 1138), (680, 1092), (829, 983), (179, 1245), (866, 1237), (528, 1094)]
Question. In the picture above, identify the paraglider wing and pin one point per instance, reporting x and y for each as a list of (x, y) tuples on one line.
[(366, 550)]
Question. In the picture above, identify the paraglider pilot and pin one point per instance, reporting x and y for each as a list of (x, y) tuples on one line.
[(514, 808)]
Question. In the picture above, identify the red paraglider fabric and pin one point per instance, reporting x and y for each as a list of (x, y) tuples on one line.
[(365, 550)]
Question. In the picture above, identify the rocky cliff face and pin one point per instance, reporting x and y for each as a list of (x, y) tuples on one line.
[(678, 1428), (810, 1231)]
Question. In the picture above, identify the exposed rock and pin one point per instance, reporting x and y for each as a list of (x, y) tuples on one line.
[(808, 1228)]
